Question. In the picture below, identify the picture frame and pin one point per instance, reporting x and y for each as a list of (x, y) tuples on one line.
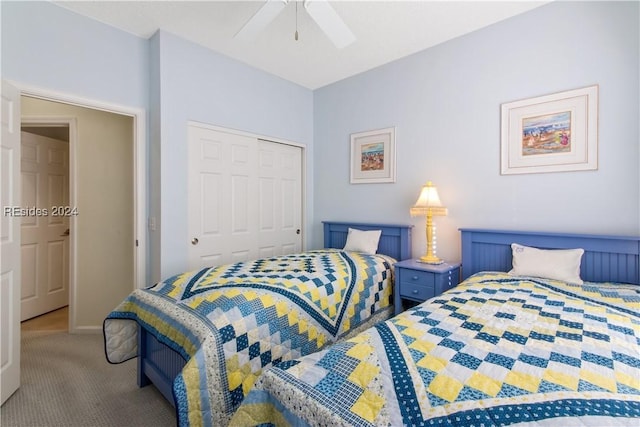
[(550, 133), (373, 156)]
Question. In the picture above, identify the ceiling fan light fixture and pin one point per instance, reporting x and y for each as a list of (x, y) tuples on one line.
[(330, 22), (261, 19)]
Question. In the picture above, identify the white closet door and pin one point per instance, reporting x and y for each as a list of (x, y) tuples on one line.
[(280, 195), (244, 197)]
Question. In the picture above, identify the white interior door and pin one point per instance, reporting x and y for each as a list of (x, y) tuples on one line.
[(241, 192), (10, 244), (44, 233)]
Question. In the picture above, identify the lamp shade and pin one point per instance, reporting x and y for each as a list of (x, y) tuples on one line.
[(428, 201)]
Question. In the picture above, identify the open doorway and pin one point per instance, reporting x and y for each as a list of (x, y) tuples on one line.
[(100, 211), (87, 302)]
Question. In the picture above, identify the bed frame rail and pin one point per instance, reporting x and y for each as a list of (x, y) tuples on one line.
[(157, 364)]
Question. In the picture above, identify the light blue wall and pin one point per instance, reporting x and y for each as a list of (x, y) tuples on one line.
[(445, 105), (48, 47)]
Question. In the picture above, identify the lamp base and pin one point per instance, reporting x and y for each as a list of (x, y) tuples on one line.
[(430, 260)]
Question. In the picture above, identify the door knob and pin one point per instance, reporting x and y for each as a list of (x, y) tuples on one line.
[(65, 234), (298, 231), (194, 241)]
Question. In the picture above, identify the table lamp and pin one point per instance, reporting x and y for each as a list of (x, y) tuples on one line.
[(429, 204)]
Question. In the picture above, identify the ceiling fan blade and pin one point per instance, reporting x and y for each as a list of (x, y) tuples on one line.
[(261, 19), (330, 22)]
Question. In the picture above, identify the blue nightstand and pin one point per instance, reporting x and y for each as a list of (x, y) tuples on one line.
[(417, 282)]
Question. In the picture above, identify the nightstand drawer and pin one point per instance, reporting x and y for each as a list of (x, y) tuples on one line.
[(409, 277), (416, 291)]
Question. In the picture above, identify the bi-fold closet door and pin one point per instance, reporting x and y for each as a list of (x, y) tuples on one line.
[(244, 195)]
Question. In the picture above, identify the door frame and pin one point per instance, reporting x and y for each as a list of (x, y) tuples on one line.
[(139, 181)]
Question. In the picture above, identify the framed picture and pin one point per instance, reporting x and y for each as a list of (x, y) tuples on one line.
[(373, 156), (552, 133)]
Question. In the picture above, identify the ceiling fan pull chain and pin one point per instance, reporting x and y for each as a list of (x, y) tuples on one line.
[(296, 33)]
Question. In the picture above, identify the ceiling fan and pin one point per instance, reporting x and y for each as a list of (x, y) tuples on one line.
[(319, 10)]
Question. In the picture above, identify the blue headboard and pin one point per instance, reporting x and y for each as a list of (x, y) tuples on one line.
[(605, 259), (395, 240)]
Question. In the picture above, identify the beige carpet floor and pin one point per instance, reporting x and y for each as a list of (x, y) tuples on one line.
[(67, 381)]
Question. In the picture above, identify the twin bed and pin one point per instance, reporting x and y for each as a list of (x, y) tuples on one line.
[(497, 349), (203, 337)]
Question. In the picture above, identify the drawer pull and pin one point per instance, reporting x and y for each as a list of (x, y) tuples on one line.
[(415, 291), (415, 277)]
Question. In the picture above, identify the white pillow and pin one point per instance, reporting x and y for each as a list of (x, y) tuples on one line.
[(362, 241), (559, 264)]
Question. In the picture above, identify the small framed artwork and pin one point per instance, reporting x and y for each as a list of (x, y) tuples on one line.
[(373, 156), (551, 133)]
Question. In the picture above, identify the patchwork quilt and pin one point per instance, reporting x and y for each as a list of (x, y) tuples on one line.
[(495, 350), (232, 322)]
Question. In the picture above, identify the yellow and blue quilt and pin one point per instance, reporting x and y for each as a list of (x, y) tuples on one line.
[(234, 321), (495, 350)]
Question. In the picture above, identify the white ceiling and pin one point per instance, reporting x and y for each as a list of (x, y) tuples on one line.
[(384, 30)]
